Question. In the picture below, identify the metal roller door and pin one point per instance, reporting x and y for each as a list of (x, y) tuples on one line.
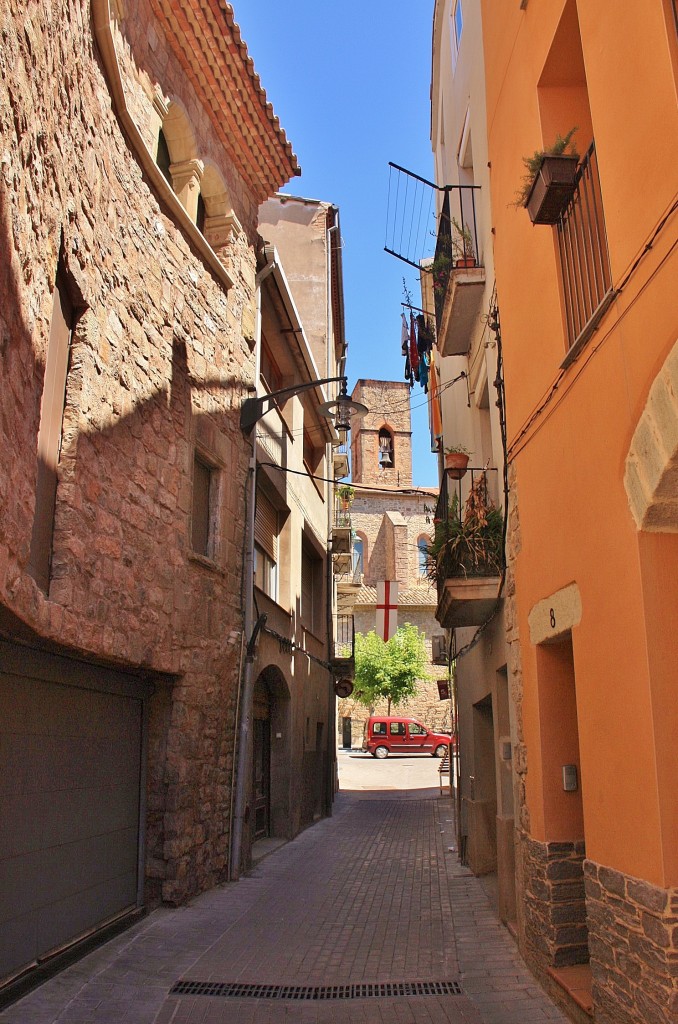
[(71, 737)]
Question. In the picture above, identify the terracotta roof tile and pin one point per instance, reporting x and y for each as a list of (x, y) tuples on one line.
[(424, 596), (207, 42)]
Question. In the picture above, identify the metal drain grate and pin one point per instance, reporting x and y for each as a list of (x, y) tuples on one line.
[(235, 990)]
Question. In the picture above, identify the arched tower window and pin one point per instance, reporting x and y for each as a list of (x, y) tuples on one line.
[(163, 158), (386, 450), (422, 552)]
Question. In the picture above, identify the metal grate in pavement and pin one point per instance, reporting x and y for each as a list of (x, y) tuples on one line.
[(236, 990)]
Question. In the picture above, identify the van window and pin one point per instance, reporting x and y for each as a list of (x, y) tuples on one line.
[(397, 728), (379, 728), (417, 730)]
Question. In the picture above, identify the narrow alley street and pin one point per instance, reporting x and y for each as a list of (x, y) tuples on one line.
[(367, 916)]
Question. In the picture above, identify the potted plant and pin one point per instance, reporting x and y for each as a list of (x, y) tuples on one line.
[(462, 245), (346, 495), (456, 460), (549, 182), (472, 546)]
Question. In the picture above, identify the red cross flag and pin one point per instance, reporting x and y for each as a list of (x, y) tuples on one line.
[(387, 609)]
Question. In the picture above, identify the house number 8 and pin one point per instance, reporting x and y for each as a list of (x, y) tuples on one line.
[(552, 616)]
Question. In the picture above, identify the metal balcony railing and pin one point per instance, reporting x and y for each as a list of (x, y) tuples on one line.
[(468, 530), (584, 257), (456, 241), (342, 518), (344, 638)]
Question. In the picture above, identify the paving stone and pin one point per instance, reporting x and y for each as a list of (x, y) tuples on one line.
[(370, 895)]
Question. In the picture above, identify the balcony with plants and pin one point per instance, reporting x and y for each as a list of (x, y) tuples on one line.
[(457, 273), (466, 556)]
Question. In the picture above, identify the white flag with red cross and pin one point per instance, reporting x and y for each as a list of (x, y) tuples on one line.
[(387, 609)]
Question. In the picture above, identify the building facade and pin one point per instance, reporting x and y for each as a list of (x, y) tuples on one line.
[(391, 522), (128, 211), (585, 283), (466, 410)]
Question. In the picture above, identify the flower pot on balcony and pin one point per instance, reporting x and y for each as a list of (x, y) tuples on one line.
[(456, 464), (466, 261), (552, 189)]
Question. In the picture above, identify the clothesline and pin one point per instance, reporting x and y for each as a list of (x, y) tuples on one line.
[(408, 305)]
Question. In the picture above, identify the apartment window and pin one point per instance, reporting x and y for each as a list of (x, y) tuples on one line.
[(313, 453), (50, 432), (457, 25), (266, 529), (268, 371), (311, 589), (204, 509)]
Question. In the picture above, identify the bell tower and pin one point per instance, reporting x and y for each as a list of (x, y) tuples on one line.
[(381, 441)]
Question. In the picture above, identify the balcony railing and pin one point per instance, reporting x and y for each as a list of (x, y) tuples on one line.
[(344, 640), (456, 241), (468, 538), (466, 559), (584, 257)]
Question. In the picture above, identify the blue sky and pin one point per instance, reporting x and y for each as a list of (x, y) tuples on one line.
[(350, 84)]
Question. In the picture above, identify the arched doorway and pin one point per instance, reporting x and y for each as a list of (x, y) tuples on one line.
[(261, 767)]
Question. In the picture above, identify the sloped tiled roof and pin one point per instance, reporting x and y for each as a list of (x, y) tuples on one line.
[(206, 41), (424, 596)]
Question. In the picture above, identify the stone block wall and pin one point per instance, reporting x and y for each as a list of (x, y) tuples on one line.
[(159, 363), (554, 904), (633, 940)]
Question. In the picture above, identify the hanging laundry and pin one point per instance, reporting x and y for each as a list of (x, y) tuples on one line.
[(414, 351), (423, 371), (404, 335)]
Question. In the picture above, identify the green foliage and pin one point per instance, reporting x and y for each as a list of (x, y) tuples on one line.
[(454, 449), (346, 492), (468, 546), (462, 241), (389, 671), (533, 163)]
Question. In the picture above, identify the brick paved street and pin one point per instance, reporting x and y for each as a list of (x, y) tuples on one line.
[(372, 895)]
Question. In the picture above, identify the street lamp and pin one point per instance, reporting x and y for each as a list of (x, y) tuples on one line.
[(340, 409)]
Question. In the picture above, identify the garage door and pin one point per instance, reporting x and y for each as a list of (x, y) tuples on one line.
[(70, 783)]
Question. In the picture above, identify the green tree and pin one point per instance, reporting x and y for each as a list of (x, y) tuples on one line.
[(389, 671)]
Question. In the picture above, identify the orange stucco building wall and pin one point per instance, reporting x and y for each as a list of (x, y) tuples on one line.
[(599, 688)]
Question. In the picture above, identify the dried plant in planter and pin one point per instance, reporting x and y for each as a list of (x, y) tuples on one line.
[(471, 545)]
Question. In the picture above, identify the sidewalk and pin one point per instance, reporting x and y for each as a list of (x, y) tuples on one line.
[(372, 895)]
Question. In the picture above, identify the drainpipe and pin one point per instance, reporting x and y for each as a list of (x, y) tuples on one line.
[(332, 701), (251, 630)]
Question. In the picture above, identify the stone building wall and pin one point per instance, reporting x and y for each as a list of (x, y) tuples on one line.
[(159, 363), (633, 941), (388, 403)]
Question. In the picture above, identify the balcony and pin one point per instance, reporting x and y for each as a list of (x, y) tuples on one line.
[(340, 461), (466, 558), (343, 652), (458, 274), (584, 258), (342, 535)]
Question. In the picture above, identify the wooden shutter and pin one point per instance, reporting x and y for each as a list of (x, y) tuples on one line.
[(266, 526)]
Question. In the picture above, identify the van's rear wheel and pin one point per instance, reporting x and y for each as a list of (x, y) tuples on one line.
[(440, 750), (381, 752)]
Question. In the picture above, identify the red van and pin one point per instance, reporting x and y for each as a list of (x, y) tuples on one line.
[(385, 735)]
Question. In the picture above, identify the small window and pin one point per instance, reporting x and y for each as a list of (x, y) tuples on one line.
[(203, 510), (201, 214), (379, 728), (386, 456), (358, 555), (163, 158), (417, 730), (457, 24), (268, 371), (313, 453), (397, 729)]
